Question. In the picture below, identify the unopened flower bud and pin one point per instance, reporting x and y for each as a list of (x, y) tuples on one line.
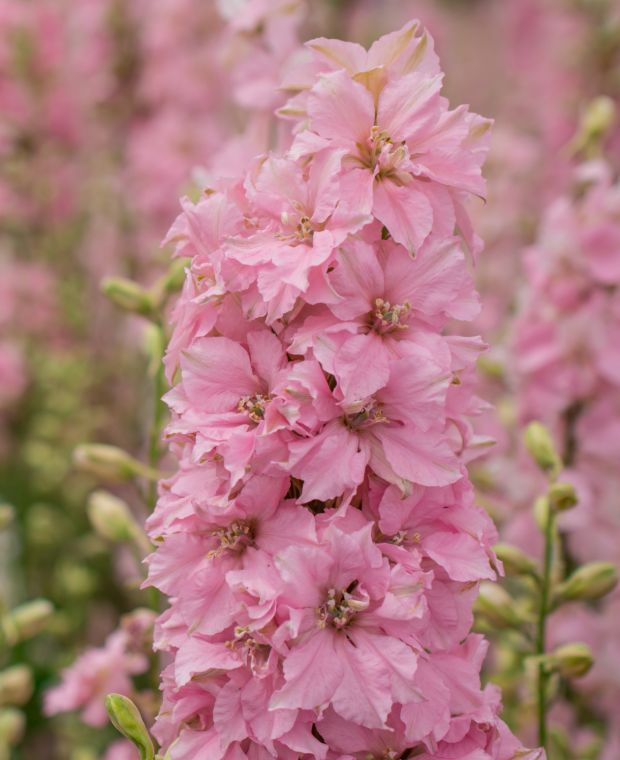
[(175, 277), (126, 718), (75, 579), (542, 512), (12, 726), (515, 561), (7, 515), (596, 121), (83, 753), (496, 606), (110, 462), (129, 295), (110, 517), (26, 621), (591, 581), (539, 444), (154, 346), (562, 496), (490, 367), (16, 685), (573, 660)]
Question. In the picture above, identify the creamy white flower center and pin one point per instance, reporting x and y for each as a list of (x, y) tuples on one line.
[(233, 537), (298, 224), (385, 157), (364, 415), (253, 406), (388, 317), (254, 653), (341, 607)]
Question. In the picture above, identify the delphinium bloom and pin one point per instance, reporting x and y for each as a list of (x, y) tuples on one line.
[(94, 674), (319, 543)]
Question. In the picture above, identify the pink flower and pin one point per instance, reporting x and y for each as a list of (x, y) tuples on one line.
[(95, 674), (413, 156), (302, 215), (338, 618), (397, 432)]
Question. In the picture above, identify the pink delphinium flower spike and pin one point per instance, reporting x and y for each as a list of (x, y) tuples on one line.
[(318, 543)]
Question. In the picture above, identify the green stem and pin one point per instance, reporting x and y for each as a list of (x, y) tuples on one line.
[(541, 632), (154, 450), (154, 455)]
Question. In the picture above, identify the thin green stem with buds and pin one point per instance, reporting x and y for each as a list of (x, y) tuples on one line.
[(542, 625), (159, 388)]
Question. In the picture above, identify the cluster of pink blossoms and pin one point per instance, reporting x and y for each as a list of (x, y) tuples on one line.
[(567, 356), (103, 670), (319, 543)]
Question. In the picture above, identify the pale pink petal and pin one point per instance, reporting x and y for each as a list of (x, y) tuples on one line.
[(341, 109), (197, 656), (462, 556), (405, 211), (339, 54), (267, 354), (363, 692), (362, 366), (423, 458), (313, 460), (217, 373), (228, 716), (409, 105), (313, 672)]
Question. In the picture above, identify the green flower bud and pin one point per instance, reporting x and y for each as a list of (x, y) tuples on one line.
[(596, 121), (154, 347), (83, 753), (542, 512), (110, 463), (129, 295), (126, 718), (16, 685), (26, 621), (174, 279), (591, 581), (7, 515), (77, 580), (45, 527), (490, 367), (496, 606), (110, 516), (572, 660), (515, 561), (562, 496), (539, 444), (12, 726)]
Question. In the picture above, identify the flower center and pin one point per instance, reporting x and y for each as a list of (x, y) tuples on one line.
[(254, 406), (299, 226), (382, 155), (254, 653), (234, 537), (364, 415), (303, 230), (341, 607), (389, 317)]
